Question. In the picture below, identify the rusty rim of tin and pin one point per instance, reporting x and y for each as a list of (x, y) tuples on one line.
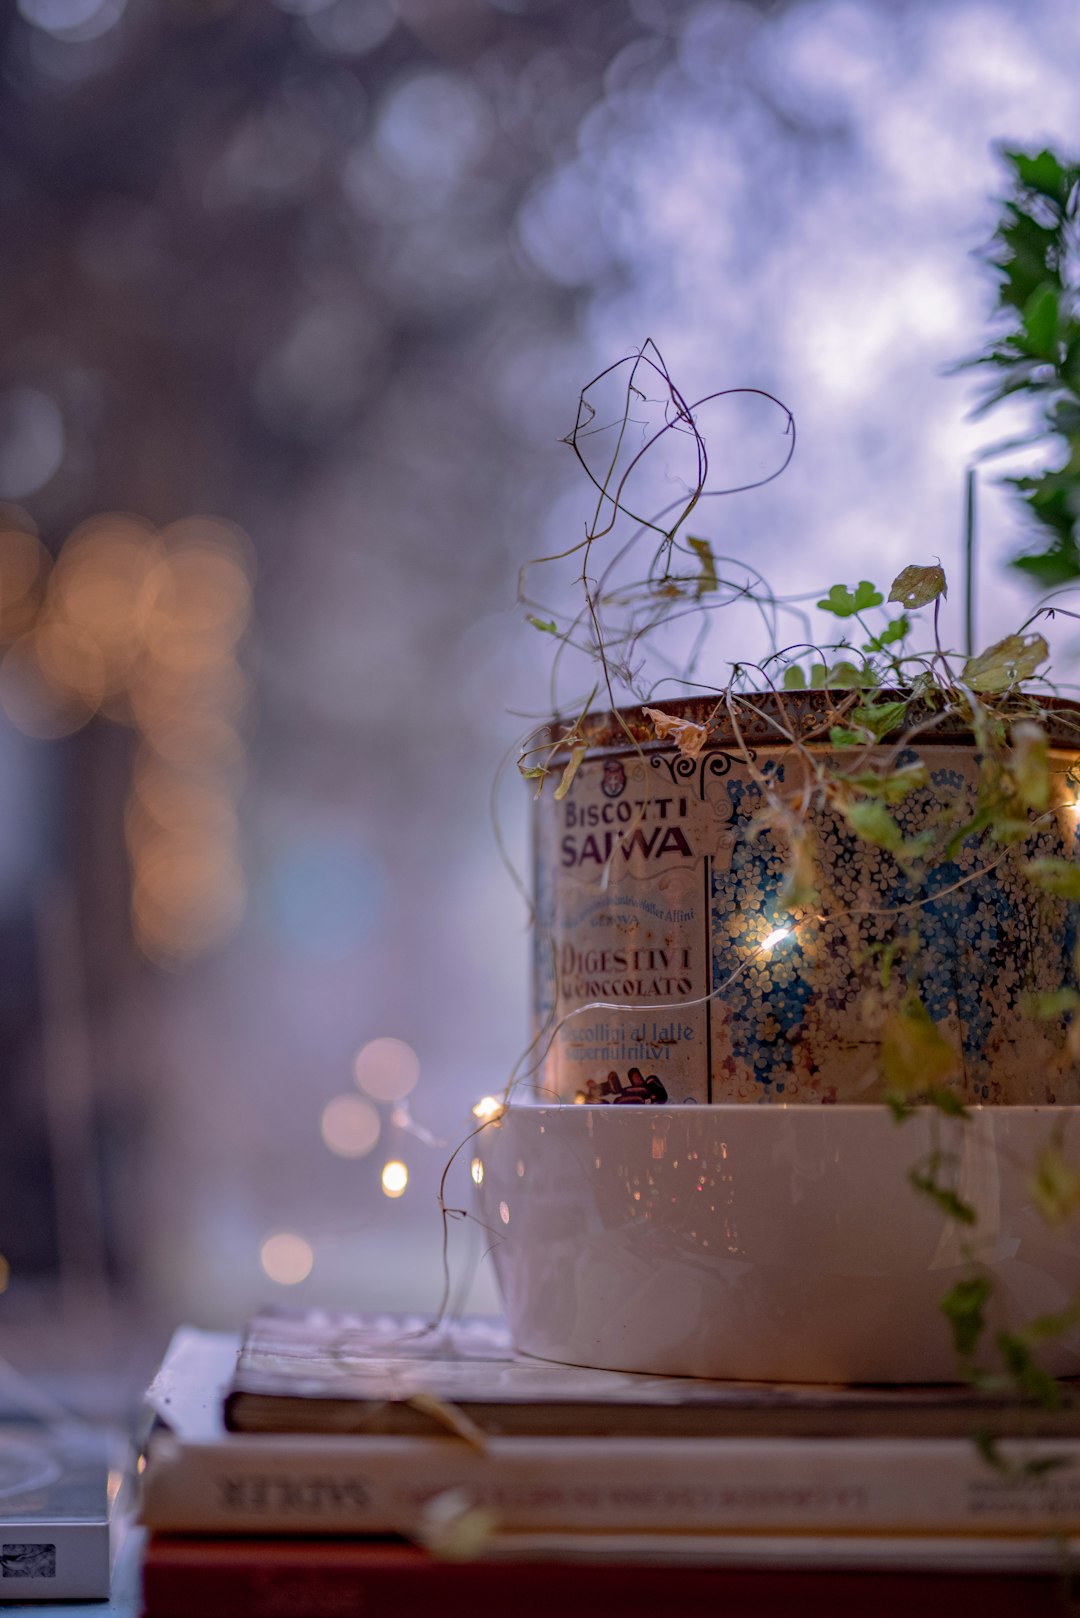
[(770, 717)]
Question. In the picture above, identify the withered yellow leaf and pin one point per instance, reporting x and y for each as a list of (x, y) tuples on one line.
[(917, 586), (1005, 663), (688, 737)]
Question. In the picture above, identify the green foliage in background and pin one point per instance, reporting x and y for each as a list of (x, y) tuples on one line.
[(1036, 353)]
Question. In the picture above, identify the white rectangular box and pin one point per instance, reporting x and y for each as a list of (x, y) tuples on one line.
[(56, 1494)]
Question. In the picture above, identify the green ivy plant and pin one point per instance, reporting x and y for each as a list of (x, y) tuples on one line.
[(885, 676)]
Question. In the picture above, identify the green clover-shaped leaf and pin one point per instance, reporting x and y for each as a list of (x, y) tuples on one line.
[(845, 603), (891, 787), (880, 717)]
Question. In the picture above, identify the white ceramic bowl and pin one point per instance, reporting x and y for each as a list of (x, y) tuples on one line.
[(773, 1243)]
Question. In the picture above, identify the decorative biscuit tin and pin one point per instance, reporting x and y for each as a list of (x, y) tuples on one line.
[(667, 968)]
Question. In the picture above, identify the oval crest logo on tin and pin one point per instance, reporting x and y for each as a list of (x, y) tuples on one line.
[(613, 784)]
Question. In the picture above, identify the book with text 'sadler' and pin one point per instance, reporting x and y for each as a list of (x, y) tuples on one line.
[(316, 1371), (199, 1478), (319, 1578)]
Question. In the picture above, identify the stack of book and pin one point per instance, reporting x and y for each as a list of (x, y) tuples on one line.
[(333, 1464)]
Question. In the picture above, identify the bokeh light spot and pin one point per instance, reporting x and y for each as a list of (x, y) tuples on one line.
[(387, 1069), (286, 1259), (31, 441), (52, 680), (200, 591), (188, 894), (194, 739), (142, 627), (96, 584), (350, 1126), (351, 27), (73, 20), (432, 128), (169, 800), (476, 1168), (302, 8), (395, 1177), (24, 562)]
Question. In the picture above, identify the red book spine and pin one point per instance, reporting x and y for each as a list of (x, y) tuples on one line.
[(204, 1578)]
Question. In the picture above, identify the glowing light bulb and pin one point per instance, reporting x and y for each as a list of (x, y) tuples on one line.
[(487, 1107), (476, 1169), (777, 936), (395, 1177)]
